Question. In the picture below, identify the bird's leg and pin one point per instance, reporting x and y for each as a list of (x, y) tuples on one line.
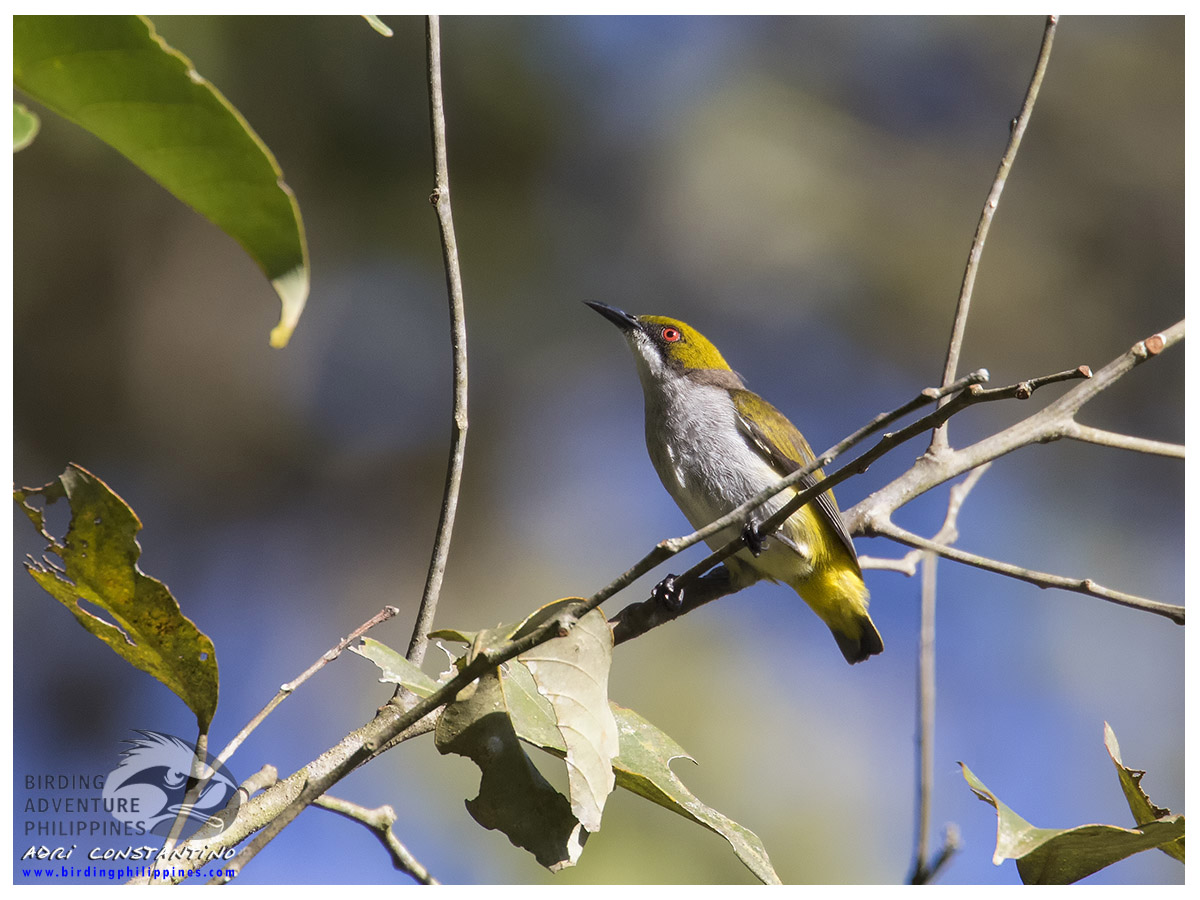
[(667, 593), (672, 596), (754, 538)]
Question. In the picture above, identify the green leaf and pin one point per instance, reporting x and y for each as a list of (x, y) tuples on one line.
[(395, 668), (453, 634), (514, 797), (25, 127), (1063, 856), (1139, 803), (377, 23), (644, 767), (643, 764), (115, 77), (572, 673), (99, 555), (532, 715)]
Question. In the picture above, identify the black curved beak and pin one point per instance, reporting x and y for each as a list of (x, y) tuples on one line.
[(623, 320)]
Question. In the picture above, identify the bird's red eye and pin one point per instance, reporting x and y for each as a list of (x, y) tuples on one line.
[(671, 335)]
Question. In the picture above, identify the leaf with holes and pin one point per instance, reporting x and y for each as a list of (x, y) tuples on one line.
[(99, 554)]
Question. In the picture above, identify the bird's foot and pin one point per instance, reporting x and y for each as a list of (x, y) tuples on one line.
[(668, 593), (755, 542)]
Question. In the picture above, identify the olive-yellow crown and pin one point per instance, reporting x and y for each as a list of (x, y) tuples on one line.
[(681, 344), (678, 344)]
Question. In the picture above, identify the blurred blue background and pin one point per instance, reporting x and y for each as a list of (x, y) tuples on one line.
[(802, 190)]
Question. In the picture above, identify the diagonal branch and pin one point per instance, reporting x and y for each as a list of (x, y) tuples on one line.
[(380, 822), (1042, 579), (286, 690), (1051, 423), (940, 440), (1122, 441)]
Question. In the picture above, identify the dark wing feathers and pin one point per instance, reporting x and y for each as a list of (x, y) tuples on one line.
[(786, 450)]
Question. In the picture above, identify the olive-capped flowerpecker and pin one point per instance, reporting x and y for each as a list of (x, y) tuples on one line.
[(715, 444)]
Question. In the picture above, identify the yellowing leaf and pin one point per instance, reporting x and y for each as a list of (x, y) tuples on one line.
[(99, 555), (25, 127)]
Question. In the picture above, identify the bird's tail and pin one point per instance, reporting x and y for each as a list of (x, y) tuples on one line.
[(840, 598)]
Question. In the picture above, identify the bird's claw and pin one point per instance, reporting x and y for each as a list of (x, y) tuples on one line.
[(668, 593), (754, 539)]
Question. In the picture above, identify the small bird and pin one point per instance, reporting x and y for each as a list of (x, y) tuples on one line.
[(715, 444)]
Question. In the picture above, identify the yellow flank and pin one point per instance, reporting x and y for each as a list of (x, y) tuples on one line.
[(830, 583)]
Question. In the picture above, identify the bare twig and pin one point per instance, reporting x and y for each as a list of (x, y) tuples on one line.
[(926, 698), (264, 778), (440, 198), (1041, 579), (201, 774), (380, 821), (950, 845), (285, 690), (948, 533), (940, 440), (1051, 423), (1122, 441), (922, 872)]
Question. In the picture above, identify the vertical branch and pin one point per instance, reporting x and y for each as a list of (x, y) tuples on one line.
[(440, 198), (940, 440), (923, 871), (926, 696)]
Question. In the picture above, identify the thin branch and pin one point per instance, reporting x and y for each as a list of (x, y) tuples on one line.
[(264, 778), (201, 774), (380, 822), (293, 796), (926, 698), (1122, 441), (950, 845), (1041, 579), (1048, 424), (940, 439), (285, 690), (907, 564), (922, 871), (440, 198)]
